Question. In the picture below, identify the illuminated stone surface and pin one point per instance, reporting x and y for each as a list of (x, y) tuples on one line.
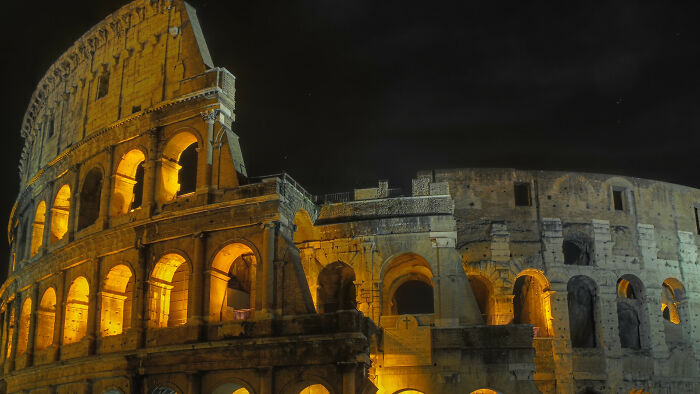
[(144, 258)]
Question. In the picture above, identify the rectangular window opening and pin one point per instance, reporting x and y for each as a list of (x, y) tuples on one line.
[(618, 202), (697, 219), (102, 85), (522, 195), (50, 127)]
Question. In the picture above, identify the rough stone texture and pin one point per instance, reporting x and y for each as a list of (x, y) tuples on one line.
[(140, 296)]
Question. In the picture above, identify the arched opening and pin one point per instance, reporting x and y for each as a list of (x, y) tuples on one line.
[(179, 166), (336, 288), (314, 389), (408, 391), (59, 213), (75, 324), (407, 286), (169, 286), (230, 388), (530, 304), (24, 321), (482, 289), (128, 183), (576, 251), (413, 297), (582, 311), (46, 319), (164, 390), (673, 312), (38, 228), (484, 391), (629, 311), (232, 283), (90, 199), (116, 301)]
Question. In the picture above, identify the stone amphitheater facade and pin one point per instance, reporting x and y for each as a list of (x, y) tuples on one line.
[(145, 259)]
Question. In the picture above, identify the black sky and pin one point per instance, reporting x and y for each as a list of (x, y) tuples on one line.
[(343, 93)]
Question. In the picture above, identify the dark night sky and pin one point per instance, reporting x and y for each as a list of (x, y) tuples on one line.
[(343, 93)]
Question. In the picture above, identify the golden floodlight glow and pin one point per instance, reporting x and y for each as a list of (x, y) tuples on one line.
[(124, 182), (46, 319), (170, 167), (75, 326), (24, 319), (38, 228), (315, 389), (168, 295), (59, 213), (116, 301)]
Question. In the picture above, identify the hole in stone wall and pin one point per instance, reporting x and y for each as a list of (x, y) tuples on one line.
[(59, 213), (582, 323), (413, 297), (522, 194), (187, 176), (336, 288), (102, 85), (482, 294), (90, 199), (528, 304), (618, 201), (576, 252), (46, 319)]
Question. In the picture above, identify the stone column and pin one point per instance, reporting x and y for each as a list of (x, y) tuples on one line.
[(5, 337), (204, 184), (94, 306), (198, 304), (349, 378), (266, 382), (150, 176), (15, 335), (46, 237), (609, 334), (58, 319), (552, 240), (268, 271), (561, 341), (107, 185), (74, 198), (32, 325), (142, 296)]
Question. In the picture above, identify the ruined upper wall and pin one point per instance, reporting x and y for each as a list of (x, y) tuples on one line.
[(144, 54), (486, 195)]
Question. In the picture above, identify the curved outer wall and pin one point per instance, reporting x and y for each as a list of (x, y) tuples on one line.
[(145, 259)]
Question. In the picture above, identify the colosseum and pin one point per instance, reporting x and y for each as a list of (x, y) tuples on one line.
[(145, 259)]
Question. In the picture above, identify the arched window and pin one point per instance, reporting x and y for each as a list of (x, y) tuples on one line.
[(407, 286), (116, 301), (75, 325), (38, 228), (90, 199), (629, 311), (675, 313), (336, 288), (577, 251), (178, 167), (59, 213), (481, 288), (46, 319), (529, 304), (231, 388), (169, 286), (128, 183), (582, 312), (232, 283), (314, 389), (24, 321)]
